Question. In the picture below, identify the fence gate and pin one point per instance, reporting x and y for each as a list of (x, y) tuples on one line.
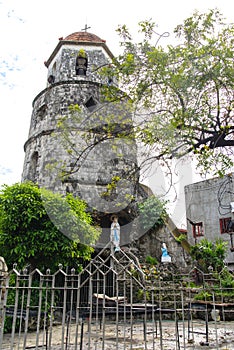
[(114, 303)]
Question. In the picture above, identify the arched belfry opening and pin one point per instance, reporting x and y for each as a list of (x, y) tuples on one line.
[(81, 62)]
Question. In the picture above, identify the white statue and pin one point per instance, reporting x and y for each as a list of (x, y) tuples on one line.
[(165, 256), (115, 233), (3, 266)]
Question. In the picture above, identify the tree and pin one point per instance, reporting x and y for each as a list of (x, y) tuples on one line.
[(153, 212), (30, 235), (182, 94)]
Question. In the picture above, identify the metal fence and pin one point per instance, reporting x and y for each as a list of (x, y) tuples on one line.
[(115, 303)]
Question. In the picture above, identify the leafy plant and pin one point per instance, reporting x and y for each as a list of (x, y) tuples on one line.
[(181, 238), (208, 253), (185, 90), (203, 295), (32, 222), (151, 260), (82, 53), (152, 212), (143, 295), (226, 279)]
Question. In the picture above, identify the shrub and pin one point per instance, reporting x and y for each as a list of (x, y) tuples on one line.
[(208, 253)]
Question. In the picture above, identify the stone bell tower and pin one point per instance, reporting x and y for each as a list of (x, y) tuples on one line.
[(67, 164)]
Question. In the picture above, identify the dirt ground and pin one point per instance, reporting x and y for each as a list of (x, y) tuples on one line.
[(138, 337)]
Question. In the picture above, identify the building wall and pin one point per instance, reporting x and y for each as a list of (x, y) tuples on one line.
[(207, 202), (62, 67), (46, 141), (51, 158)]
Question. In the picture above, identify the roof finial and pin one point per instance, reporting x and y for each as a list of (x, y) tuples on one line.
[(86, 27)]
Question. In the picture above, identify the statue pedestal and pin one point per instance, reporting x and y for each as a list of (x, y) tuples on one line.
[(166, 259)]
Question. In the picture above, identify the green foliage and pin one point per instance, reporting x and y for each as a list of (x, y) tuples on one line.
[(143, 295), (29, 233), (187, 89), (152, 212), (226, 279), (181, 238), (151, 260), (208, 253), (111, 186), (220, 287), (204, 295), (82, 53)]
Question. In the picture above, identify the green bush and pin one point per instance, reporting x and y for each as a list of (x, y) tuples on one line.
[(208, 253), (151, 260), (152, 212), (28, 234)]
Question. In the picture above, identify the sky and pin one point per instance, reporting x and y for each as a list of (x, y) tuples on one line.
[(29, 31)]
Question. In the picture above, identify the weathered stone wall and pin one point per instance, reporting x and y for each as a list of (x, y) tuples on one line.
[(207, 202), (150, 245), (47, 153), (63, 65), (53, 102), (51, 161)]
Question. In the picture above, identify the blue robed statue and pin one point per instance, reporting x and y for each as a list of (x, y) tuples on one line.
[(165, 256)]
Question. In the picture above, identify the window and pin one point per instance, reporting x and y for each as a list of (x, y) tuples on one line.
[(224, 225), (51, 77), (54, 69), (32, 175), (41, 112), (197, 229), (90, 104)]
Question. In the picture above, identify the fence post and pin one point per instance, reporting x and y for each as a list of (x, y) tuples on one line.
[(3, 276)]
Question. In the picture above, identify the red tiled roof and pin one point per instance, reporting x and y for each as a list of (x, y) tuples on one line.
[(78, 38), (84, 37)]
